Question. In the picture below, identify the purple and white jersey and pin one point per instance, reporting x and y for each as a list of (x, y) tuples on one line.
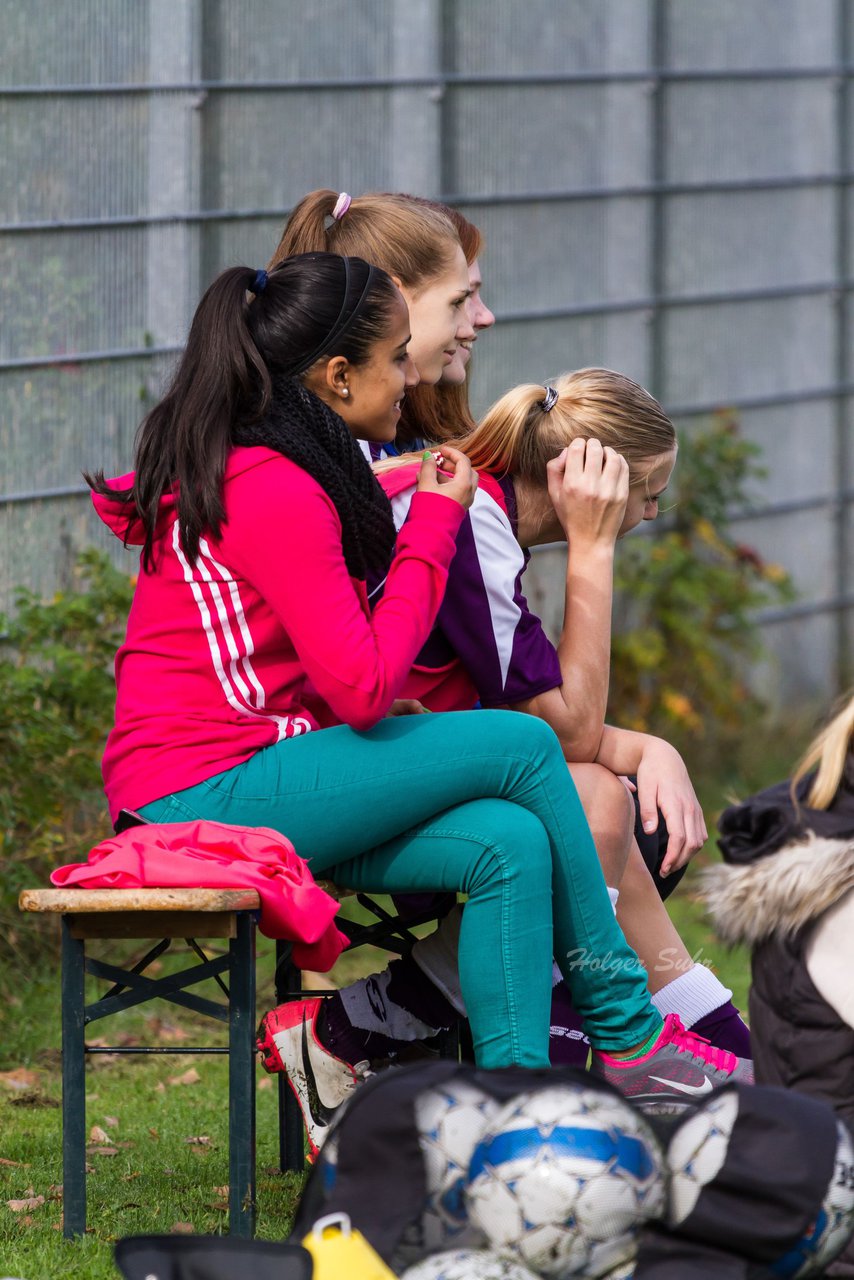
[(485, 630)]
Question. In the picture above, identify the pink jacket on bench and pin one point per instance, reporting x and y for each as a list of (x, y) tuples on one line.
[(217, 855)]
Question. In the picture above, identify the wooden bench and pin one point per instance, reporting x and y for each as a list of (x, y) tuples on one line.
[(163, 914)]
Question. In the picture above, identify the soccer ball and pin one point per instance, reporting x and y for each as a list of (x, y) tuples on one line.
[(468, 1264), (696, 1153), (564, 1178), (834, 1222), (451, 1119)]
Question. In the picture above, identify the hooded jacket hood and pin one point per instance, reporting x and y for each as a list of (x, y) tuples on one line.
[(779, 895), (122, 518)]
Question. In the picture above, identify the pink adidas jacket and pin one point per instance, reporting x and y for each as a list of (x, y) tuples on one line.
[(266, 636)]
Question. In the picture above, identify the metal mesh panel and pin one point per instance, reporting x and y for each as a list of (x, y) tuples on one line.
[(768, 34), (504, 139), (663, 187), (539, 37)]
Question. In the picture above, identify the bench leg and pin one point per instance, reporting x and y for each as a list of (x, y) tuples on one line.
[(241, 1079), (73, 1085)]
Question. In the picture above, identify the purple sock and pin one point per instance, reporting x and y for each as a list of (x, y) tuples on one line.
[(568, 1045), (336, 1033), (410, 988), (725, 1029)]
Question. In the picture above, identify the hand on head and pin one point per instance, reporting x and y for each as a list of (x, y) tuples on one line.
[(588, 486), (460, 485)]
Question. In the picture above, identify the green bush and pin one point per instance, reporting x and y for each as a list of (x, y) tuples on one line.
[(687, 597), (56, 706)]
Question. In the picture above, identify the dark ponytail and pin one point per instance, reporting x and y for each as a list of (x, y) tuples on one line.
[(238, 383)]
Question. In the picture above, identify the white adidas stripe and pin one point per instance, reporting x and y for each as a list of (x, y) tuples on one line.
[(234, 687)]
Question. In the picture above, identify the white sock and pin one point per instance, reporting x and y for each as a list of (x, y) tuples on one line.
[(692, 995)]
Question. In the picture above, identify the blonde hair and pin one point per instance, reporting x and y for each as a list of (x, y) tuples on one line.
[(518, 437), (408, 238), (828, 755)]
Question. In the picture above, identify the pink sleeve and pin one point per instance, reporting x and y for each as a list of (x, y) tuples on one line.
[(284, 536)]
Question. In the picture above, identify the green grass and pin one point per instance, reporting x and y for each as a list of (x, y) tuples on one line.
[(158, 1178)]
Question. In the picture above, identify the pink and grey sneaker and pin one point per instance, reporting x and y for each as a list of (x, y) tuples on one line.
[(287, 1040), (678, 1071)]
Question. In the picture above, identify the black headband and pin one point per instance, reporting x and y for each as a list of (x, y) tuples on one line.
[(344, 322)]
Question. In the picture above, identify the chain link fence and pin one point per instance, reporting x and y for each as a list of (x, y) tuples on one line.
[(664, 187)]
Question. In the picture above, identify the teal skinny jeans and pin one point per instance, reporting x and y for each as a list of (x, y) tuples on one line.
[(479, 802)]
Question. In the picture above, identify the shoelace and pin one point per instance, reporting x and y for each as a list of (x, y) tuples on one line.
[(698, 1046)]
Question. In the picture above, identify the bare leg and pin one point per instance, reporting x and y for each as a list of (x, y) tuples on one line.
[(610, 815), (648, 928)]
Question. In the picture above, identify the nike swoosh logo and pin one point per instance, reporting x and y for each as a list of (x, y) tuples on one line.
[(320, 1114), (705, 1087)]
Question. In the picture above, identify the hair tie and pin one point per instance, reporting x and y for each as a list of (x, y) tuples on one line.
[(260, 281), (342, 204), (550, 400)]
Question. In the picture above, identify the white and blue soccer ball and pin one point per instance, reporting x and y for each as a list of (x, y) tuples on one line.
[(696, 1152), (468, 1264), (834, 1224), (564, 1178), (451, 1120)]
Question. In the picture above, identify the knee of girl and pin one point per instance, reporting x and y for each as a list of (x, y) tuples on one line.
[(533, 735), (519, 852), (608, 805)]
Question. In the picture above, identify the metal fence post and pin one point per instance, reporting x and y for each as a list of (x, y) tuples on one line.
[(173, 169), (844, 458), (415, 142)]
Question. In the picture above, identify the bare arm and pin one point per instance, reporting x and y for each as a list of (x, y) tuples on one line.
[(663, 783), (588, 488)]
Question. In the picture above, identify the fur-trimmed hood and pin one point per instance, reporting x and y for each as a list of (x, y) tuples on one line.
[(778, 894)]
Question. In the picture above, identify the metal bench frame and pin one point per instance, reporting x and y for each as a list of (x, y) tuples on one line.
[(165, 914)]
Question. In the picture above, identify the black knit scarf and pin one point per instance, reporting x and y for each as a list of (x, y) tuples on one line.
[(300, 426)]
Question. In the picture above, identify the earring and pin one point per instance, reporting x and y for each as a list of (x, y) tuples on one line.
[(345, 391)]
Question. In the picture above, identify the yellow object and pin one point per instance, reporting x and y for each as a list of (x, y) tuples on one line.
[(340, 1253)]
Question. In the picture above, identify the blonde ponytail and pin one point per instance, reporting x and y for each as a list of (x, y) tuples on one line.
[(519, 435), (827, 754)]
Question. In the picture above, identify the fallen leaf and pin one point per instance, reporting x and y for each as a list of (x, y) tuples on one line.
[(265, 1083), (160, 1087), (14, 1164), (19, 1080), (32, 1100), (97, 1134), (29, 1202), (219, 1206), (189, 1077), (54, 1193), (90, 1168), (129, 1177), (104, 1151), (202, 1141), (112, 1122), (181, 1229), (154, 1134), (222, 1192), (27, 1220)]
